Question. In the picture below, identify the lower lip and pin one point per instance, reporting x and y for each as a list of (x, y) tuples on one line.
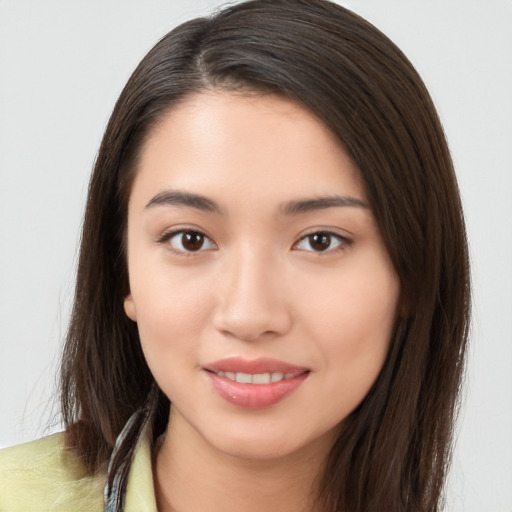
[(255, 396)]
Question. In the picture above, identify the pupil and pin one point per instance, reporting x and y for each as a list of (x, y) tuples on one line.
[(192, 241), (320, 241)]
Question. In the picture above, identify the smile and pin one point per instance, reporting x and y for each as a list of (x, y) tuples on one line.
[(258, 378), (254, 384)]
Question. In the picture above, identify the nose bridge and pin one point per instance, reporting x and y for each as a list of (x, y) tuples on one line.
[(252, 301)]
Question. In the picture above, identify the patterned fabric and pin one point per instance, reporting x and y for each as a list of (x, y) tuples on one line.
[(121, 460), (115, 488)]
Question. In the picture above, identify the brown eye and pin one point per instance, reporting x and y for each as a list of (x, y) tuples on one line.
[(190, 241), (322, 242)]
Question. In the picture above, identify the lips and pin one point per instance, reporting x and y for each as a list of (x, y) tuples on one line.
[(254, 384)]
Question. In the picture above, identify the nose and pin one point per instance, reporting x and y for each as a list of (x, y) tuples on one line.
[(252, 299)]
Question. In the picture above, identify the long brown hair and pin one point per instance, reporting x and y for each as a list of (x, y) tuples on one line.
[(393, 450)]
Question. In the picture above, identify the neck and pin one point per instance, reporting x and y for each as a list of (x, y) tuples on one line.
[(192, 476)]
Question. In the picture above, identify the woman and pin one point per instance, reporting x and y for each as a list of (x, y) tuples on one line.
[(273, 243)]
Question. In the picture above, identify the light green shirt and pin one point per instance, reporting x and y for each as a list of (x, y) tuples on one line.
[(42, 476)]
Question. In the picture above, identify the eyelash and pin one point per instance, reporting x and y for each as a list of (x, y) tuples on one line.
[(168, 236), (343, 242)]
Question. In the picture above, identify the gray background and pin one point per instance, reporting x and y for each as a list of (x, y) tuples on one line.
[(62, 66)]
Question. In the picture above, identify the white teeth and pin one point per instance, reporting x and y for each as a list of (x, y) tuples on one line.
[(244, 378), (261, 378), (276, 377), (257, 378)]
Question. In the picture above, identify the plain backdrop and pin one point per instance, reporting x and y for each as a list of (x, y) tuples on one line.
[(62, 66)]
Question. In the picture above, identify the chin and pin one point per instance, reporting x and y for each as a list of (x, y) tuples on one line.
[(254, 450), (269, 443)]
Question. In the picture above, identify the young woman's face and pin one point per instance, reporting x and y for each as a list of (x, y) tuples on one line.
[(262, 291)]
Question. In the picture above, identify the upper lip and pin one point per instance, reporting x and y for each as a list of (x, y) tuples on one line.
[(253, 366)]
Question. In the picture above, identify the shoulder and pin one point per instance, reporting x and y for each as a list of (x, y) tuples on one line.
[(44, 475)]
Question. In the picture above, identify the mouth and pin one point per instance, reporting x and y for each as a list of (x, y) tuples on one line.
[(254, 384), (257, 378), (231, 367)]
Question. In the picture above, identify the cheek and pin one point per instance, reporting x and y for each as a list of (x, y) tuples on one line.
[(357, 306), (354, 318), (171, 314)]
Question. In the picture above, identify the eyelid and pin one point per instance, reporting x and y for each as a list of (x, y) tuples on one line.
[(168, 234), (344, 241)]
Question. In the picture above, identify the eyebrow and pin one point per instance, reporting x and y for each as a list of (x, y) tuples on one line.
[(180, 198), (321, 203), (205, 204)]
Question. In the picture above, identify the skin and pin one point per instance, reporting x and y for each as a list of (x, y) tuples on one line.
[(258, 286)]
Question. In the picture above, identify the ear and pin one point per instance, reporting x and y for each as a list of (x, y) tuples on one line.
[(129, 308)]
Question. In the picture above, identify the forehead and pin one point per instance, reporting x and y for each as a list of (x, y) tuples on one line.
[(252, 145)]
